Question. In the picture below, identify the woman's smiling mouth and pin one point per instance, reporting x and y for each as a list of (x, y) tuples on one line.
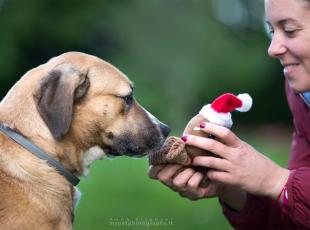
[(289, 68)]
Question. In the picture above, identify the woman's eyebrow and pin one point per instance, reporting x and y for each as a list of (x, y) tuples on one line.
[(283, 21)]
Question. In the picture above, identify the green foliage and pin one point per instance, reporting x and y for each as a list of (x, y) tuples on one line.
[(180, 54), (118, 194)]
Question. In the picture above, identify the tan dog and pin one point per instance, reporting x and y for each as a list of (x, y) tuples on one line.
[(71, 104)]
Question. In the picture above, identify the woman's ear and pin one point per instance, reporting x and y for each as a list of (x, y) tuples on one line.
[(56, 94)]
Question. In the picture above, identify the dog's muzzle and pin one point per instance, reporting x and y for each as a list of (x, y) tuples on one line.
[(132, 146), (165, 130)]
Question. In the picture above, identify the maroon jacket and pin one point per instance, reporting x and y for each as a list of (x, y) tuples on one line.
[(265, 213)]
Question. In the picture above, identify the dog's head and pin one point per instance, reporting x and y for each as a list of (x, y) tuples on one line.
[(85, 99)]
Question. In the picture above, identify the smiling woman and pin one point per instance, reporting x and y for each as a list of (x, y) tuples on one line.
[(289, 26), (254, 191)]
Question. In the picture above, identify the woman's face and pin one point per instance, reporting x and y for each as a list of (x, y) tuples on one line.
[(289, 25)]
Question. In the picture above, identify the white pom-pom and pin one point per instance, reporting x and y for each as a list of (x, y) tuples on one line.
[(246, 102)]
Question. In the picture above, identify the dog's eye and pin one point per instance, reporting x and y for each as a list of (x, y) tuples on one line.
[(128, 99)]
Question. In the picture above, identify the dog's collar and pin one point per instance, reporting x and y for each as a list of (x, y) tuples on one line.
[(39, 153)]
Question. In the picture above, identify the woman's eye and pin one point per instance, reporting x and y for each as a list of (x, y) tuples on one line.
[(289, 32)]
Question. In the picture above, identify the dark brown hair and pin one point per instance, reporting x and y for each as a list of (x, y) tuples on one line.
[(308, 2)]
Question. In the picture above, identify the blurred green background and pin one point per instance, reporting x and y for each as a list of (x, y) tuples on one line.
[(181, 54)]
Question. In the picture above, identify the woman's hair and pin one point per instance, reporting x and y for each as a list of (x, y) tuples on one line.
[(308, 2)]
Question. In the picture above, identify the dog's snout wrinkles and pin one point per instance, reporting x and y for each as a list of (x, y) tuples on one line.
[(164, 129)]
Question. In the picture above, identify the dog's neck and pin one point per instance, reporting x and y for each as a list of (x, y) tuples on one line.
[(38, 152), (30, 177), (71, 152), (76, 157)]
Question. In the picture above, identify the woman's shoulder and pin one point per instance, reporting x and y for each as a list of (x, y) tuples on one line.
[(300, 111)]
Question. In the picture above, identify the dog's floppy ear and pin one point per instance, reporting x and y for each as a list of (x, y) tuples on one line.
[(56, 94)]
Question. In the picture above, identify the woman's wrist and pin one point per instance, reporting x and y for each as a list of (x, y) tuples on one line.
[(233, 197), (277, 182)]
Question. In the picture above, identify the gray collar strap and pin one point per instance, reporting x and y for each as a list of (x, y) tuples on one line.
[(39, 153)]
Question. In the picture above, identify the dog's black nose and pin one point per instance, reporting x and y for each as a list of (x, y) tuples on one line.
[(164, 129)]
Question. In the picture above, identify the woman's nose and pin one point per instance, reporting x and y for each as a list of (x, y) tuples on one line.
[(277, 47)]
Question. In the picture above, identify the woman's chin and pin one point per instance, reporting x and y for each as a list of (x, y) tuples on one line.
[(298, 88)]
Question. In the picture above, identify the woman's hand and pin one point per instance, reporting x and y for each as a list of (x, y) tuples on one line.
[(239, 164), (185, 181)]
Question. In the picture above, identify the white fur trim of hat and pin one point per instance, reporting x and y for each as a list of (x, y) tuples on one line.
[(219, 111)]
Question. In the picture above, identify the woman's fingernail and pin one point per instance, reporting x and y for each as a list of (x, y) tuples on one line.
[(184, 138), (202, 125)]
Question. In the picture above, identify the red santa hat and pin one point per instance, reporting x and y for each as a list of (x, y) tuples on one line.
[(219, 111)]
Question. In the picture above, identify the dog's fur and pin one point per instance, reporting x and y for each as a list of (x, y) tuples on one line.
[(73, 103)]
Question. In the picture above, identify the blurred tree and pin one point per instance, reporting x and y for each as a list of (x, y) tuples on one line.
[(180, 54)]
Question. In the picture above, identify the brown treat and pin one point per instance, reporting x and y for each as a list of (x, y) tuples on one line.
[(192, 128), (175, 151)]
